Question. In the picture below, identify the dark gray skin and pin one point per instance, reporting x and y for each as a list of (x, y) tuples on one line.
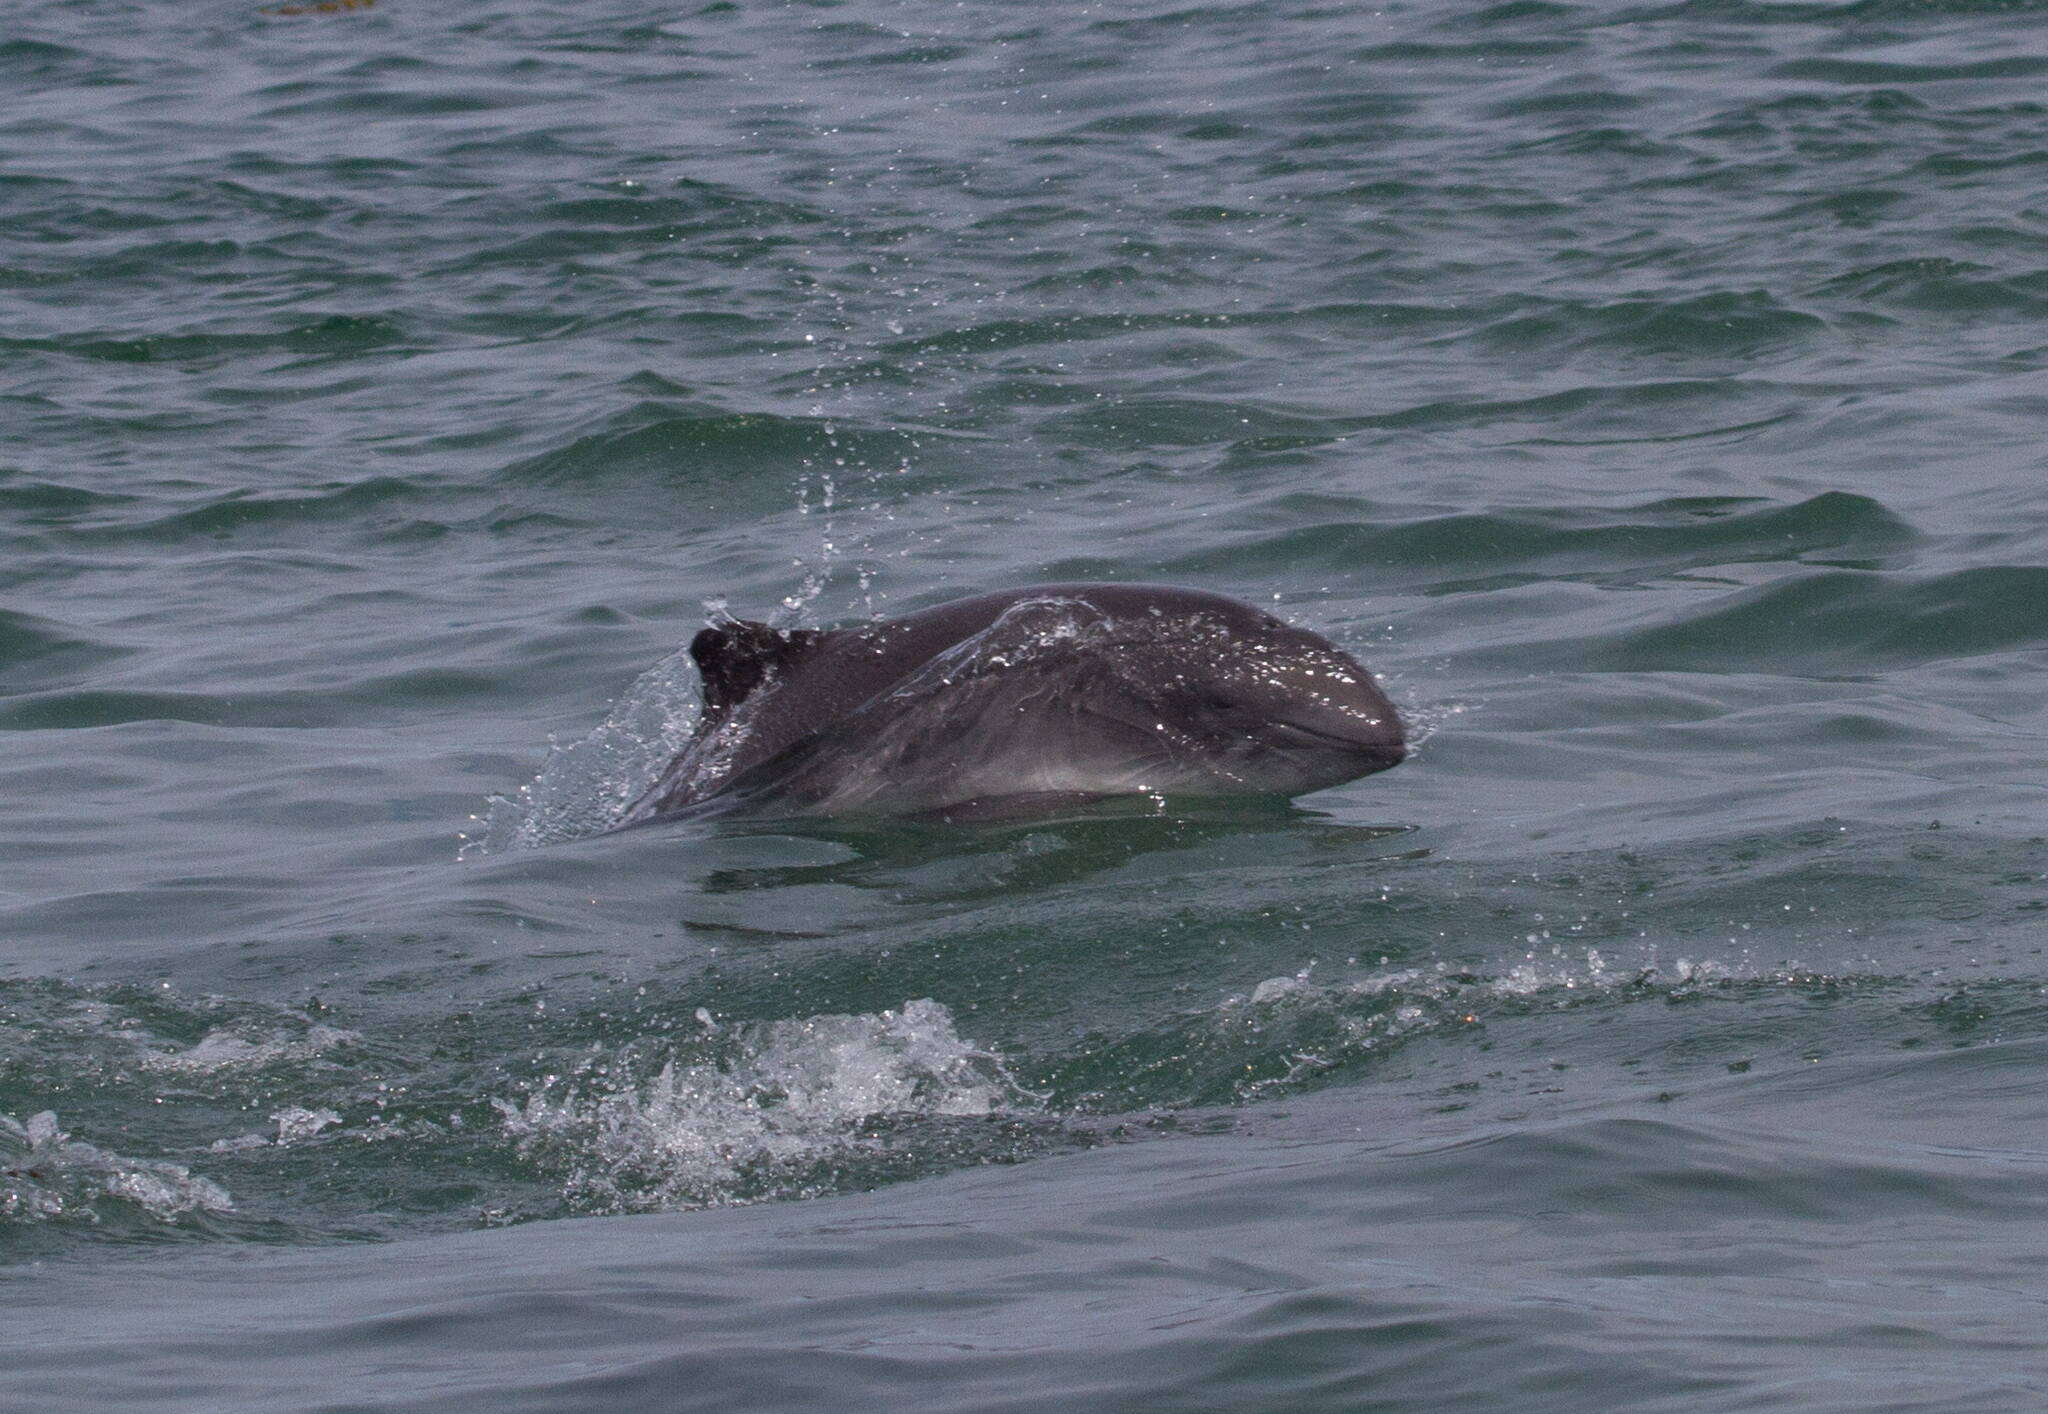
[(1024, 699)]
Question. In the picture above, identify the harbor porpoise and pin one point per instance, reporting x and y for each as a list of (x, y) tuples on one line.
[(1043, 696)]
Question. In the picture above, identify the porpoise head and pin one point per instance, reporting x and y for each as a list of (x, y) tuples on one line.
[(1281, 711), (1242, 703), (1055, 691)]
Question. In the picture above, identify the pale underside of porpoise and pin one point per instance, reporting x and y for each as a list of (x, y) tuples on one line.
[(1056, 693)]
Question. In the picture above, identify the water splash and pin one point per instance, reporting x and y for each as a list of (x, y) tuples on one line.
[(586, 786), (761, 1110), (818, 572), (45, 1174)]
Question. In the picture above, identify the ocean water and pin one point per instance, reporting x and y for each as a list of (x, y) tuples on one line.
[(1651, 393)]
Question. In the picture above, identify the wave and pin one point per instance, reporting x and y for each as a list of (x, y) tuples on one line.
[(1845, 623), (1714, 325), (38, 654), (1941, 284), (656, 441), (309, 336), (1495, 549)]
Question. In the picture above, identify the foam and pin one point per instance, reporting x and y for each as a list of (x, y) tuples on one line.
[(45, 1175), (222, 1050)]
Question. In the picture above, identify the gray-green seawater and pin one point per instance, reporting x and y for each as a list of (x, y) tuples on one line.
[(1652, 393)]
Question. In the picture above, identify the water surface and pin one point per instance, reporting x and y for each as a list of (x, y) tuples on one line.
[(1651, 393)]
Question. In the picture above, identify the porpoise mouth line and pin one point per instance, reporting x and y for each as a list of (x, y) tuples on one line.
[(1342, 738)]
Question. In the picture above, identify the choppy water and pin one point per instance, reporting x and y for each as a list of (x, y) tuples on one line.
[(1652, 393)]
